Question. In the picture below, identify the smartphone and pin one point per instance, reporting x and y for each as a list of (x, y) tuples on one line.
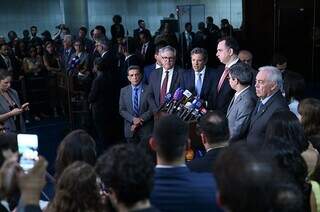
[(28, 150)]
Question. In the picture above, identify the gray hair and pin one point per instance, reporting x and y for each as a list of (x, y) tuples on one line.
[(274, 75), (168, 49), (242, 72)]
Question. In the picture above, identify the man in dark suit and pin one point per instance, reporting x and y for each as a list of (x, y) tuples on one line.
[(175, 187), (142, 27), (136, 107), (242, 103), (187, 43), (67, 52), (214, 134), (268, 89), (147, 48), (227, 51), (166, 79), (5, 61), (200, 80)]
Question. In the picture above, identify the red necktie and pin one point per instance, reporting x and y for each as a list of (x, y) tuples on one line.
[(223, 77), (163, 90)]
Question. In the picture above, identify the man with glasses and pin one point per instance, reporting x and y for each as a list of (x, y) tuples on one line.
[(167, 78)]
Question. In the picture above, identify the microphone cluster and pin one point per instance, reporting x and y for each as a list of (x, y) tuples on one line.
[(186, 106)]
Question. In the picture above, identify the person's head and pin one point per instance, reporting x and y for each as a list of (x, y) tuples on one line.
[(5, 80), (46, 35), (99, 33), (209, 20), (4, 49), (77, 189), (295, 86), (67, 41), (33, 30), (201, 26), (117, 19), (168, 55), (78, 145), (285, 125), (199, 58), (144, 36), (227, 49), (33, 51), (309, 110), (127, 172), (246, 57), (188, 27), (213, 128), (245, 179), (102, 45), (240, 76), (169, 140), (39, 49), (12, 35), (82, 32), (268, 81), (280, 61), (141, 24), (224, 23), (134, 75), (78, 45), (2, 40), (25, 33), (49, 47)]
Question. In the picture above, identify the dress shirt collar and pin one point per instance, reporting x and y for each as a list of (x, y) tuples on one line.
[(139, 86), (202, 72), (158, 66), (127, 57), (232, 63), (265, 100), (240, 92)]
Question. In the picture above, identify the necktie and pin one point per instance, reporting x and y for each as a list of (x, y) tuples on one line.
[(199, 84), (136, 103), (223, 77), (163, 90), (144, 49), (260, 106)]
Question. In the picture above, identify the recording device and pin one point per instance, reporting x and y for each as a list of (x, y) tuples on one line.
[(178, 94), (28, 150), (167, 101), (186, 96)]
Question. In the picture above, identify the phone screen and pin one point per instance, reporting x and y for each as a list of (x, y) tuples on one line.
[(28, 150)]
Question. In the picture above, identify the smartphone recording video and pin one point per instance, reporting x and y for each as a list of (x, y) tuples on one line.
[(28, 150)]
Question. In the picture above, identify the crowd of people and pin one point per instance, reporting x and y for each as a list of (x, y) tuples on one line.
[(260, 135)]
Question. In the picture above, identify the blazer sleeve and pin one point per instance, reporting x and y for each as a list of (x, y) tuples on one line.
[(151, 107), (123, 109)]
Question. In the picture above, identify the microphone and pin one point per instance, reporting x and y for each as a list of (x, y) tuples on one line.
[(167, 100), (184, 109), (178, 94), (195, 105), (185, 98), (195, 111)]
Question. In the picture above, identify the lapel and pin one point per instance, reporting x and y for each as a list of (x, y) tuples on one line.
[(205, 83), (174, 79), (129, 99), (158, 84), (230, 106), (142, 97)]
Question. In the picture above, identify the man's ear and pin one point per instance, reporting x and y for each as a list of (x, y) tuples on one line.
[(274, 86), (230, 51), (203, 138), (153, 143)]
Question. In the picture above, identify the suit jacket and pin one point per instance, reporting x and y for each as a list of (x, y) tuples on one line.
[(145, 110), (221, 99), (124, 65), (178, 189), (184, 50), (259, 120), (66, 57), (209, 79), (148, 58), (205, 163), (147, 72), (155, 83), (4, 108), (239, 113), (3, 64)]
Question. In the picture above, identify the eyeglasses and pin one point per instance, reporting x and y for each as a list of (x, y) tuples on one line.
[(169, 58)]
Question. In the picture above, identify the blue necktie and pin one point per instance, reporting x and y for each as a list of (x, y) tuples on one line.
[(199, 85), (260, 106), (136, 103)]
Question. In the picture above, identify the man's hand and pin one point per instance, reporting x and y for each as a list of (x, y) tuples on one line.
[(137, 121)]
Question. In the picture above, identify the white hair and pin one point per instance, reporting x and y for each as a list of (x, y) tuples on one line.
[(168, 49), (274, 75)]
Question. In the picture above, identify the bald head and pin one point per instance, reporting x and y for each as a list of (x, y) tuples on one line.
[(246, 57)]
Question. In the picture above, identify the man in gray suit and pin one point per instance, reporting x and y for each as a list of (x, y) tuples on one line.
[(136, 107), (268, 89), (242, 103)]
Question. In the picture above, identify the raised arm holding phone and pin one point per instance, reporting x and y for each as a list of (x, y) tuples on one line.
[(10, 107)]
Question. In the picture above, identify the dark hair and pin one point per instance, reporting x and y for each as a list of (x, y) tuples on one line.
[(231, 43), (127, 170), (171, 135), (242, 72), (187, 24), (4, 74), (140, 21), (294, 86), (214, 125), (7, 141), (145, 33), (210, 19), (134, 67), (33, 27), (78, 145), (245, 178), (77, 190), (202, 51), (309, 109), (117, 19), (101, 28), (285, 125), (84, 29), (278, 59), (201, 25)]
